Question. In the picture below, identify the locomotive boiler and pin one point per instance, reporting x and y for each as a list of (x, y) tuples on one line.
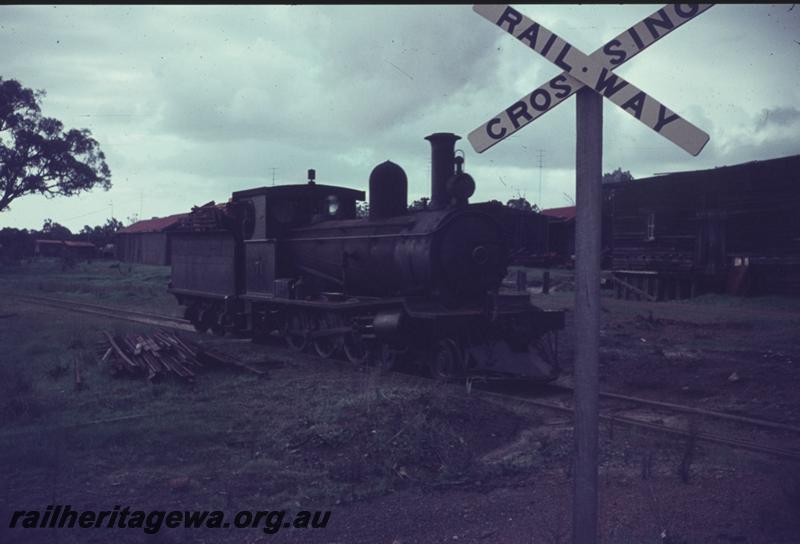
[(416, 285)]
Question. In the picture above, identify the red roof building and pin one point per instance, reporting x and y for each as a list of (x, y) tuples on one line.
[(60, 248), (567, 212), (70, 243), (156, 224), (147, 242)]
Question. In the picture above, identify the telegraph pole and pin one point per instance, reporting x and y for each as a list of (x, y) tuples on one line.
[(541, 155), (273, 176)]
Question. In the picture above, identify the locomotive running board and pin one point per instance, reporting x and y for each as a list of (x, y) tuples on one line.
[(352, 303), (202, 294)]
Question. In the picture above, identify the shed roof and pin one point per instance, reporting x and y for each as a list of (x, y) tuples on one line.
[(567, 212), (781, 166), (67, 243), (156, 224), (70, 243)]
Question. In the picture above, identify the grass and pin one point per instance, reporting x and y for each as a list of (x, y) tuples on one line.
[(765, 320), (101, 282), (314, 433)]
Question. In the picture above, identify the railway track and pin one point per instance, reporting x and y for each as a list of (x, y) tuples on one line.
[(763, 436), (734, 431), (105, 311)]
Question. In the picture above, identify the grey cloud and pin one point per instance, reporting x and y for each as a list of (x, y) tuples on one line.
[(782, 117), (375, 76), (190, 103)]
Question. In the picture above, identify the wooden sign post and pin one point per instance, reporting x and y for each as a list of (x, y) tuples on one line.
[(588, 226), (591, 77)]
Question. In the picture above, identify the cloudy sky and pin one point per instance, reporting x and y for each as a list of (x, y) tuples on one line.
[(192, 103)]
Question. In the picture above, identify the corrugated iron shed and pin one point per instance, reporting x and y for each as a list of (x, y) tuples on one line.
[(156, 224), (70, 243), (65, 248), (147, 242), (567, 212), (692, 232)]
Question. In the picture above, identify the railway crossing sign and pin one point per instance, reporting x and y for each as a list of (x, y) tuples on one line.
[(594, 71), (591, 78)]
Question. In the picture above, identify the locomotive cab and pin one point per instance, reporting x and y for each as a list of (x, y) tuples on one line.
[(277, 211)]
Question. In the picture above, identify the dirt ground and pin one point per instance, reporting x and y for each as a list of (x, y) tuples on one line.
[(394, 460)]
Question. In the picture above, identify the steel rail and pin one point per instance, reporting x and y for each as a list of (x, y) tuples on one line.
[(699, 435), (693, 410), (92, 306), (106, 311), (695, 434), (142, 317)]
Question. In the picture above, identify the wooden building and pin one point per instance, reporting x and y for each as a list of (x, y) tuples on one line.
[(730, 229), (80, 250), (48, 248), (561, 234), (66, 249), (525, 232), (147, 242)]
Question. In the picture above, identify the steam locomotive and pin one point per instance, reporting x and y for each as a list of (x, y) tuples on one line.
[(425, 285)]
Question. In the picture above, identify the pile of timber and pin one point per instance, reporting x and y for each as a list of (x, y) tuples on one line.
[(207, 217), (161, 353)]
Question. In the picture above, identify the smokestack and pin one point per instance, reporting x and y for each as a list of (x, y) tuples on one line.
[(442, 166)]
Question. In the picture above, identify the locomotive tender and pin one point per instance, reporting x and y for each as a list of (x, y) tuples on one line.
[(296, 260)]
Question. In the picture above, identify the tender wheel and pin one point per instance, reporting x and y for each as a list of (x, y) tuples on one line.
[(295, 332), (199, 327), (547, 347), (190, 313), (445, 360), (263, 324), (326, 346), (204, 319), (355, 349), (389, 358)]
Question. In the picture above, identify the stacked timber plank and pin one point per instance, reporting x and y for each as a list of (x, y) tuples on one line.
[(160, 354), (206, 217), (152, 356)]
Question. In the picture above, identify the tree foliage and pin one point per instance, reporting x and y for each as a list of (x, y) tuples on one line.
[(16, 243), (362, 208), (617, 176), (101, 235), (38, 156), (55, 231), (521, 203), (20, 243)]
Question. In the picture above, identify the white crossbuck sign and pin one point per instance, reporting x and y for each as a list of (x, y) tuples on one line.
[(594, 71)]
